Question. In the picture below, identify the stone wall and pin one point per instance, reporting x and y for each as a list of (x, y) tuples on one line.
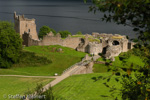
[(113, 51), (51, 40), (95, 48), (112, 46), (28, 41), (119, 40), (84, 69), (83, 45), (17, 24), (131, 45), (125, 46), (72, 42)]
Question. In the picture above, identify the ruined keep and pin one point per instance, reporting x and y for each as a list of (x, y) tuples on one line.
[(108, 44), (23, 25)]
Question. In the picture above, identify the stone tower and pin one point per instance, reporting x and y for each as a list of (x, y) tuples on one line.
[(23, 25)]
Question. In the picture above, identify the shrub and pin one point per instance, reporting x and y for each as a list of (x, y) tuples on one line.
[(44, 30), (64, 34), (79, 33), (31, 59), (47, 95)]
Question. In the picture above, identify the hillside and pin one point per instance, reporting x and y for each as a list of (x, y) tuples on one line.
[(83, 87), (11, 86), (60, 60)]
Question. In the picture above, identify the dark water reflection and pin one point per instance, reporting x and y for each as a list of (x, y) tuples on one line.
[(71, 15)]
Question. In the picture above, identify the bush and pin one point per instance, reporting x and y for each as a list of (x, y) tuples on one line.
[(44, 30), (31, 59), (64, 34), (47, 95), (79, 33), (10, 45)]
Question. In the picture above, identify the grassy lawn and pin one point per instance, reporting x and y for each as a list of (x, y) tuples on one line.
[(83, 87), (81, 36), (77, 87), (16, 85), (135, 60), (90, 38), (103, 59), (100, 68), (60, 61)]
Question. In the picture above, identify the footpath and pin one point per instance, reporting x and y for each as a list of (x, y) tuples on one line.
[(30, 76)]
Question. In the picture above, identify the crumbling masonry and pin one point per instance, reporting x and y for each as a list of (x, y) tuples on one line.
[(110, 45)]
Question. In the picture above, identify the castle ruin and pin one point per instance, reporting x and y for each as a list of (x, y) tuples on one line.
[(23, 25), (108, 44)]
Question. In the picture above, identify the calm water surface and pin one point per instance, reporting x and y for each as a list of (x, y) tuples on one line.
[(61, 15)]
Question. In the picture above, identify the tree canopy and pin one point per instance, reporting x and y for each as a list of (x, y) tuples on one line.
[(44, 30), (10, 45)]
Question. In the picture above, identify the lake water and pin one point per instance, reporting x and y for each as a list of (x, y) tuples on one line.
[(71, 15)]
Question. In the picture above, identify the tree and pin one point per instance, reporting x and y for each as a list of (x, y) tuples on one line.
[(133, 13), (79, 33), (47, 95), (127, 12), (64, 34), (44, 30), (10, 45)]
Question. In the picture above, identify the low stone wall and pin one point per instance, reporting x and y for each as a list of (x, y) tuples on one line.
[(33, 42), (51, 40), (71, 42), (84, 69)]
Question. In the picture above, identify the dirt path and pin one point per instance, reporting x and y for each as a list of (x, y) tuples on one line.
[(30, 76)]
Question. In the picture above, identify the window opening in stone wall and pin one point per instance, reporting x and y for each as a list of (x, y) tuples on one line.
[(115, 43), (29, 30)]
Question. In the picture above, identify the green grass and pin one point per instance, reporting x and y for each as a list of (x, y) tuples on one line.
[(60, 61), (91, 38), (135, 60), (132, 59), (16, 85), (100, 68), (103, 59), (81, 36), (83, 87)]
